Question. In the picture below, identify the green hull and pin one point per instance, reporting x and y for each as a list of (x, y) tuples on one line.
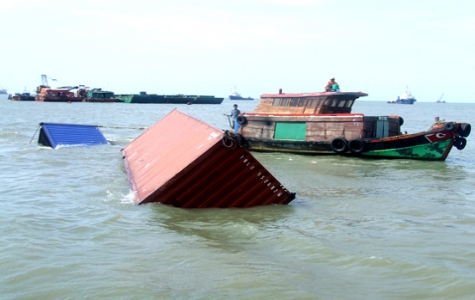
[(172, 99), (433, 151), (125, 98)]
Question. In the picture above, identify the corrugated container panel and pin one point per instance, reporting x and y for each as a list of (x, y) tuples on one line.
[(184, 162), (55, 135)]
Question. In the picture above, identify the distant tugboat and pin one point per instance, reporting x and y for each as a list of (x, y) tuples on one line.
[(236, 96), (405, 98)]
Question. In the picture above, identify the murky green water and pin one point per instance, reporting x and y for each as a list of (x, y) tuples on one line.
[(358, 228)]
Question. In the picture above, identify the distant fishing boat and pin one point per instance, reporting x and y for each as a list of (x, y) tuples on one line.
[(3, 91), (440, 99), (236, 96), (405, 98)]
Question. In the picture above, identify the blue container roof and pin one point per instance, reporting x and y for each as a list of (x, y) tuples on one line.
[(57, 135)]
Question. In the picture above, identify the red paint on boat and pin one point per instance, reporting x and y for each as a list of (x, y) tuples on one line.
[(184, 162)]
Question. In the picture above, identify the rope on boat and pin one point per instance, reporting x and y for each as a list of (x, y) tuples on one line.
[(231, 140), (230, 121), (39, 126), (119, 127)]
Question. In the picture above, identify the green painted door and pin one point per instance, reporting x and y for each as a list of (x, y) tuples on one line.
[(290, 131), (382, 128)]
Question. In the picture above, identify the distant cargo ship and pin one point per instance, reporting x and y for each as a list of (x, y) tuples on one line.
[(143, 97), (236, 96), (3, 91), (81, 93)]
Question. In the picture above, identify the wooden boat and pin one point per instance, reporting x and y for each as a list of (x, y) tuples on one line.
[(322, 123)]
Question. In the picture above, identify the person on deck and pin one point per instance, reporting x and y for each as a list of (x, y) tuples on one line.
[(332, 86), (235, 112)]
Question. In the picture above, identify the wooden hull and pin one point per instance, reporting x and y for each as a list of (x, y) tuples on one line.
[(427, 151), (350, 134)]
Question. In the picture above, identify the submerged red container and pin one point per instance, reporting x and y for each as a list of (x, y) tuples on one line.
[(184, 162)]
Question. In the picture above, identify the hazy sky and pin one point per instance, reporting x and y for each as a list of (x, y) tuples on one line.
[(209, 46)]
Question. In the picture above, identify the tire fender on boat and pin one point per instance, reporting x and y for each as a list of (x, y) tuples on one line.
[(465, 129), (460, 143), (401, 121), (241, 120), (339, 145), (356, 145), (449, 126)]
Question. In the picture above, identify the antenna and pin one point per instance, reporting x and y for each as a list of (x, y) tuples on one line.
[(44, 80)]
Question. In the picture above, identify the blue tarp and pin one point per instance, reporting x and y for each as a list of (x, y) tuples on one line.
[(56, 135)]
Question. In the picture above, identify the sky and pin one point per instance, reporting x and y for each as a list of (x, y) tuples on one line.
[(208, 47)]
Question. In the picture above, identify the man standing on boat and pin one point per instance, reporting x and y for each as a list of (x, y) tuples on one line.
[(332, 86), (235, 112)]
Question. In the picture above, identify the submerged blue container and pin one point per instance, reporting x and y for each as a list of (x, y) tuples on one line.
[(57, 135)]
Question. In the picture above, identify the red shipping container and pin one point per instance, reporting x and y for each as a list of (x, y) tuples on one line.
[(184, 162)]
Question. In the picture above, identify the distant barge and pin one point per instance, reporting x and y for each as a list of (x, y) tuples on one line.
[(143, 97), (81, 93)]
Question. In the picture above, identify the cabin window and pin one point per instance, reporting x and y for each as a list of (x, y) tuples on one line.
[(342, 103), (312, 103), (302, 101), (285, 102), (294, 101), (327, 102), (334, 102), (276, 102), (349, 103)]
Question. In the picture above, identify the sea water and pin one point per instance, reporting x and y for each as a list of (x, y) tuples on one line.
[(358, 228)]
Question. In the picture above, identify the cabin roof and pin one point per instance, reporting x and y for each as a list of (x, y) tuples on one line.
[(315, 94)]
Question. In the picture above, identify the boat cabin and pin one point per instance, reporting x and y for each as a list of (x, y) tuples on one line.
[(320, 122), (308, 103), (99, 93)]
